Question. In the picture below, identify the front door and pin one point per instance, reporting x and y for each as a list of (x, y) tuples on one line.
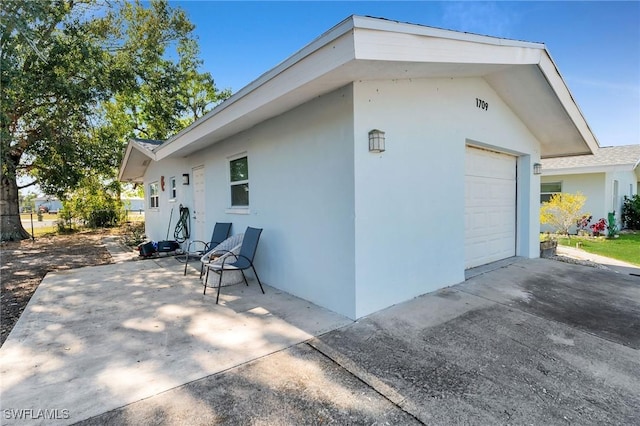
[(199, 212)]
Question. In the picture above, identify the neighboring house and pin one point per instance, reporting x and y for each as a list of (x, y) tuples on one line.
[(352, 226), (605, 177), (48, 203), (52, 204), (133, 204)]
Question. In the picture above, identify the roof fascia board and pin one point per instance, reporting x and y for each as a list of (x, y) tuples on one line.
[(329, 36), (587, 169), (378, 45), (554, 78), (380, 24), (132, 144)]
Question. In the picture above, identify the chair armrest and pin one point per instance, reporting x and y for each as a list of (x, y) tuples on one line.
[(197, 241), (206, 258)]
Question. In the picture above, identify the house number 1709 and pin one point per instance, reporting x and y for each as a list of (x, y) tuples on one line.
[(482, 104)]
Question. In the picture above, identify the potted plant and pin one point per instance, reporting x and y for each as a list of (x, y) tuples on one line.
[(548, 245)]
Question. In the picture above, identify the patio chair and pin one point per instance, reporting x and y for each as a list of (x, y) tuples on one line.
[(237, 262), (230, 246), (220, 233)]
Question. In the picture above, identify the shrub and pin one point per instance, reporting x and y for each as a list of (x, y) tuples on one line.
[(95, 203), (599, 227), (631, 212), (563, 211)]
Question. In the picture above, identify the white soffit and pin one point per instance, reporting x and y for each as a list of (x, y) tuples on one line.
[(135, 162), (360, 48)]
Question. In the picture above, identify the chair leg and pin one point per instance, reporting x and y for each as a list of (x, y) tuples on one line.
[(245, 277), (186, 261), (257, 278), (206, 280), (201, 270), (219, 285)]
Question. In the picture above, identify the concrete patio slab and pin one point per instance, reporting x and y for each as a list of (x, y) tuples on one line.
[(521, 342), (475, 353), (97, 338)]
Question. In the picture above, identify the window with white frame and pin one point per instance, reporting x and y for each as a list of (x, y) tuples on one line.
[(548, 189), (239, 181), (173, 190), (153, 195)]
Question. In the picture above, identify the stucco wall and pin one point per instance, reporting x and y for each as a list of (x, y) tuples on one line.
[(627, 185), (410, 199), (164, 218), (355, 231), (301, 194)]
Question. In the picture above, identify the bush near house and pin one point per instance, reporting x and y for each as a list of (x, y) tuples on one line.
[(631, 212), (563, 211)]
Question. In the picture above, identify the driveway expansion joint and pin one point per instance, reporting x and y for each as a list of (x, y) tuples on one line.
[(386, 391)]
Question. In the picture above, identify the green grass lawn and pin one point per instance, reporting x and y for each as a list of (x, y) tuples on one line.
[(626, 247), (45, 216)]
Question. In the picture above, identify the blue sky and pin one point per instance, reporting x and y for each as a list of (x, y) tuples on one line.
[(596, 45)]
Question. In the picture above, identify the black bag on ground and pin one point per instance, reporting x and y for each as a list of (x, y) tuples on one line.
[(147, 249), (167, 246)]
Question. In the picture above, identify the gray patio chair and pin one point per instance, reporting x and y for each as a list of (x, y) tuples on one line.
[(230, 246), (237, 262), (220, 233)]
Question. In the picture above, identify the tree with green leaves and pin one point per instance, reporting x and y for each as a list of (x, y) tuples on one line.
[(78, 78)]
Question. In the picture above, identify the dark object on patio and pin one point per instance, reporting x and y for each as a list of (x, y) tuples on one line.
[(147, 249), (167, 246), (221, 231), (239, 262)]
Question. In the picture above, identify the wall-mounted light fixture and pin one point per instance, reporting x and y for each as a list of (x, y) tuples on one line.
[(537, 168), (376, 140), (185, 178)]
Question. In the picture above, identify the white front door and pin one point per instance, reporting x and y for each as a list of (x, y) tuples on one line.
[(199, 211), (490, 206)]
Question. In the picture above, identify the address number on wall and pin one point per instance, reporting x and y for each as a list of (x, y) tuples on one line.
[(482, 104)]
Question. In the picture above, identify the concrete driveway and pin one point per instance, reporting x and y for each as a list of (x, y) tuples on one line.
[(533, 341)]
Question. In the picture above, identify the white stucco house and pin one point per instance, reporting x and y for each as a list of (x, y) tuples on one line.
[(354, 227), (605, 178), (47, 202)]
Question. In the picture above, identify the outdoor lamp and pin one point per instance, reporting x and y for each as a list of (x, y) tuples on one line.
[(376, 141), (185, 178), (537, 168)]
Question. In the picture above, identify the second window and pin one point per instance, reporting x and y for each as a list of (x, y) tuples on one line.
[(239, 178)]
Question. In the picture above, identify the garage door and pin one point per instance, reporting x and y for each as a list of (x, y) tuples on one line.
[(490, 206)]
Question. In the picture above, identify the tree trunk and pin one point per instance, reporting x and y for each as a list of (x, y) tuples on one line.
[(10, 225)]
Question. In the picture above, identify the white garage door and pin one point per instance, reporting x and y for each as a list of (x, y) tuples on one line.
[(490, 206)]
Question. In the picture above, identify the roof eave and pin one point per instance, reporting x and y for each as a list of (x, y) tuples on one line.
[(132, 147), (287, 82), (588, 169)]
